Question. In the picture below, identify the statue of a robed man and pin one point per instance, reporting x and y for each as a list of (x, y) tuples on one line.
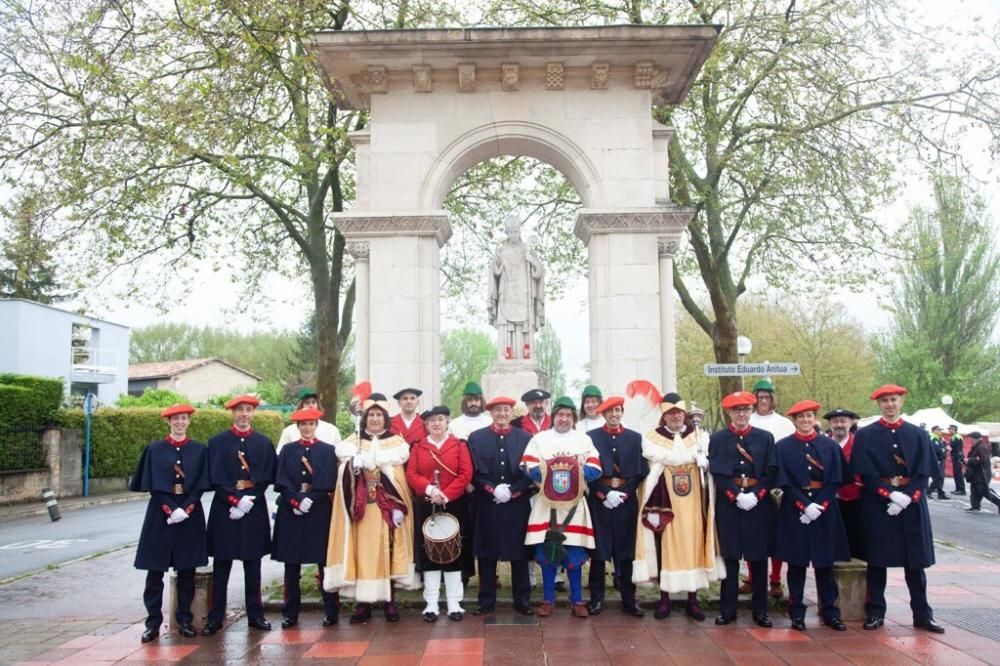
[(517, 294)]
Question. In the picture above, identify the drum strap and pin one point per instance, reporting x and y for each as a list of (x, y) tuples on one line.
[(441, 463)]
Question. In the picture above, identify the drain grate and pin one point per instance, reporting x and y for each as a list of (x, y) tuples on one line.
[(982, 621)]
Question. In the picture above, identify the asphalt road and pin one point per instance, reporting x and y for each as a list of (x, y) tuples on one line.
[(951, 523)]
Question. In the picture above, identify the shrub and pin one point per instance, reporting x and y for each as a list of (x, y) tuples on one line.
[(29, 401), (119, 435), (153, 398), (344, 424)]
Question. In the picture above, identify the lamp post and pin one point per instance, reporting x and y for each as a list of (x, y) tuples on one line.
[(743, 349), (947, 401)]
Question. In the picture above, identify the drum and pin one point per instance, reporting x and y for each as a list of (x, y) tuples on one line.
[(442, 539)]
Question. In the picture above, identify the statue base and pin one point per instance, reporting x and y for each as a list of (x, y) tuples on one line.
[(513, 379)]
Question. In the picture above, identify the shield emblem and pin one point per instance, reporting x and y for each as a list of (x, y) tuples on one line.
[(682, 483), (561, 481)]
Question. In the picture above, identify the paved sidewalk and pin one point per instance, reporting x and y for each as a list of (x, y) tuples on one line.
[(87, 616)]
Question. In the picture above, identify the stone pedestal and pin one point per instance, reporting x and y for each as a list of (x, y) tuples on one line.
[(513, 379), (851, 581), (199, 606)]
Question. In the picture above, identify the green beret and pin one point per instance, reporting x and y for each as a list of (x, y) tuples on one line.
[(591, 391), (563, 402), (472, 388), (306, 392), (764, 385)]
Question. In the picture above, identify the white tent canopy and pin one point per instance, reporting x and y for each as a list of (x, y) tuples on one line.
[(930, 417)]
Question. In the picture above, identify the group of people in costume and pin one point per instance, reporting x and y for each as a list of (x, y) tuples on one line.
[(420, 500)]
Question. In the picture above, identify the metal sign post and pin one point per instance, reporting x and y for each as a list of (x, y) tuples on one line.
[(88, 409)]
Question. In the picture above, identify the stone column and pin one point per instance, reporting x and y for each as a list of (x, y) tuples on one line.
[(666, 249), (401, 312), (360, 251)]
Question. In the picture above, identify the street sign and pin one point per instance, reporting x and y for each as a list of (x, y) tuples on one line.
[(743, 369)]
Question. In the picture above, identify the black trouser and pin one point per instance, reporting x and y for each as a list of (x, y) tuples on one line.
[(251, 589), (731, 588), (826, 590), (957, 473), (152, 597), (520, 585), (916, 582), (293, 592), (625, 585), (981, 491), (937, 481)]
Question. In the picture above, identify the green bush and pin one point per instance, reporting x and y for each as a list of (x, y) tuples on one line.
[(152, 397), (119, 435), (29, 401), (21, 450), (344, 424)]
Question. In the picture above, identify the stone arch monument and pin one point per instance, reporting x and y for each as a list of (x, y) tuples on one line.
[(579, 99)]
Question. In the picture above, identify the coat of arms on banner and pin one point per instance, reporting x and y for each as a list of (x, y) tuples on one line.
[(562, 481), (682, 483)]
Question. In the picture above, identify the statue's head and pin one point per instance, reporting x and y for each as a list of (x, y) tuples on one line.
[(512, 225)]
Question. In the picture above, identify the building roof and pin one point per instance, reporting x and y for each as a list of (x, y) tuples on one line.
[(163, 369), (70, 313)]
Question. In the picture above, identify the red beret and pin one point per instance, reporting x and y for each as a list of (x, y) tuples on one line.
[(888, 389), (253, 401), (609, 402), (174, 410), (803, 406), (501, 400), (739, 399), (307, 415)]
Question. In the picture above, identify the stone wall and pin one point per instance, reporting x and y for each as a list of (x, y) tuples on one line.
[(26, 486), (64, 473)]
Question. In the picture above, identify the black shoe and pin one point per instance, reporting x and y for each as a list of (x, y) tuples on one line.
[(960, 493), (361, 614), (331, 620), (798, 625), (187, 631), (944, 497), (634, 611), (723, 619), (150, 635), (259, 623), (694, 612), (836, 625), (973, 509), (873, 623), (763, 620), (289, 622), (455, 616), (430, 617), (930, 625), (391, 612), (211, 628), (486, 610), (524, 609), (595, 607)]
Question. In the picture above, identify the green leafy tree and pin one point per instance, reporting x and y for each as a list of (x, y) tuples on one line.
[(945, 312), (153, 398), (548, 353), (465, 355), (27, 265)]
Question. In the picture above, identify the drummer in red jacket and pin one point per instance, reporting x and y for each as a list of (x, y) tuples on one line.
[(439, 470)]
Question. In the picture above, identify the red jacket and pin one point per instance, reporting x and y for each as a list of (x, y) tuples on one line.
[(453, 463), (851, 490), (413, 434)]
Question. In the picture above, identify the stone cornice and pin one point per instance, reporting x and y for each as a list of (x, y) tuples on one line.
[(361, 226), (667, 221)]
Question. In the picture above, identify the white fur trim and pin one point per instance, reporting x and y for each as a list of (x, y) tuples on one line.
[(347, 448), (409, 580), (691, 580), (333, 578), (369, 591)]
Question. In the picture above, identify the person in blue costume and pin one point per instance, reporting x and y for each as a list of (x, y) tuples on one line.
[(305, 478), (742, 461), (811, 468), (614, 505), (174, 471), (895, 460), (562, 461), (241, 465)]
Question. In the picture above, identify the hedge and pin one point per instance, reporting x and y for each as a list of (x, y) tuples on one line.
[(119, 435), (29, 401)]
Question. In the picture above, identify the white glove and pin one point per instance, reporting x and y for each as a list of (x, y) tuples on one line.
[(746, 501), (305, 505), (814, 511), (902, 499), (297, 512), (246, 504), (397, 517), (177, 516), (609, 503), (502, 493), (431, 489), (894, 509), (653, 519), (617, 497), (235, 513), (702, 461), (805, 519), (358, 461)]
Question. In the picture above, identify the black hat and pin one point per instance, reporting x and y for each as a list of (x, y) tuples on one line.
[(535, 394), (401, 392), (840, 412), (434, 411), (975, 434)]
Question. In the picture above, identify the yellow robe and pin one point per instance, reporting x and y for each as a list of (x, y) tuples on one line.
[(689, 557), (365, 558)]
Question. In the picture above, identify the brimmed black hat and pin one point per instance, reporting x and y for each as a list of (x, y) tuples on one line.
[(401, 392), (535, 394), (434, 411), (840, 412)]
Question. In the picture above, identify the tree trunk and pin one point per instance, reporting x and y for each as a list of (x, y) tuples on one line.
[(328, 348)]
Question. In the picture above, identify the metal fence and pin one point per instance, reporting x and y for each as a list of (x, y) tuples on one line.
[(21, 449)]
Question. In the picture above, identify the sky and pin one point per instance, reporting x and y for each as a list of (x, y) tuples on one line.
[(285, 304)]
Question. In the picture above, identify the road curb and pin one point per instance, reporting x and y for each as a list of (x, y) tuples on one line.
[(16, 511)]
